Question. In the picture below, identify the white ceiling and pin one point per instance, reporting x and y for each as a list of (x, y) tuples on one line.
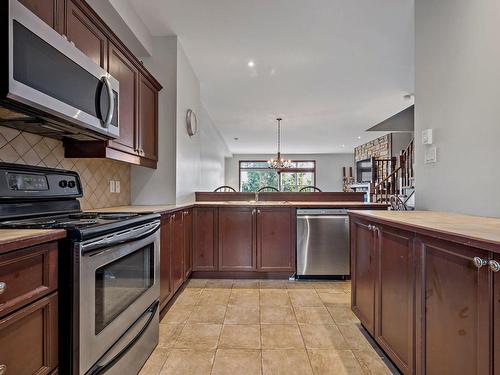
[(330, 68)]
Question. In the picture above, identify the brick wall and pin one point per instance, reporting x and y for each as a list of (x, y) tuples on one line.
[(379, 148)]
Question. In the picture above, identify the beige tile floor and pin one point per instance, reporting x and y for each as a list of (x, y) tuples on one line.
[(266, 327)]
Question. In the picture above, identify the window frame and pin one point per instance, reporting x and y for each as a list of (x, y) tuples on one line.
[(288, 170)]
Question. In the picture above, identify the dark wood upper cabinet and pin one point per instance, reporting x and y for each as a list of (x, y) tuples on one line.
[(148, 119), (31, 336), (363, 271), (85, 34), (237, 250), (44, 9), (496, 319), (177, 266), (394, 304), (188, 242), (166, 290), (275, 239), (453, 309), (128, 77), (205, 239)]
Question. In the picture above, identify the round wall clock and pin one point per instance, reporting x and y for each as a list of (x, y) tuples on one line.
[(191, 122)]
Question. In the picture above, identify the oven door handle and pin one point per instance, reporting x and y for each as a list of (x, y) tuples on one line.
[(100, 368), (132, 234)]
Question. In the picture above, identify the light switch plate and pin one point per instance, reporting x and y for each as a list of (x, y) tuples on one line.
[(117, 186), (430, 155), (112, 186), (427, 137)]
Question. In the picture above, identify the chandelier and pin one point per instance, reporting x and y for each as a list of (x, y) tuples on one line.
[(279, 163)]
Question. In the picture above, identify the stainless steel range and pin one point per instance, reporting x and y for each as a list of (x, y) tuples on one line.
[(108, 270)]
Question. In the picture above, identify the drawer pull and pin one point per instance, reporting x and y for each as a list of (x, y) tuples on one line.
[(3, 288), (3, 369), (479, 262), (494, 265)]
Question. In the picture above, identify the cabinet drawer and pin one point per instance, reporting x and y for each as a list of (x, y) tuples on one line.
[(27, 275), (28, 339)]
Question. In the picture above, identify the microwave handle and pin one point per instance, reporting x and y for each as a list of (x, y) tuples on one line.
[(111, 97), (101, 368)]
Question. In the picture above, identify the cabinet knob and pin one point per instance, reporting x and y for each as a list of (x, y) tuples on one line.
[(258, 211), (3, 288), (479, 262), (494, 265), (3, 369), (370, 227)]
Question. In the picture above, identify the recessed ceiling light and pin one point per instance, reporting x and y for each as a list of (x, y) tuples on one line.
[(343, 145), (251, 64), (359, 137)]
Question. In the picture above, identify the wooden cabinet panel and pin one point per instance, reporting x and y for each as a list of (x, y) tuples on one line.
[(363, 268), (28, 274), (205, 239), (31, 336), (275, 239), (496, 319), (44, 9), (394, 312), (85, 34), (148, 119), (177, 265), (188, 242), (453, 309), (236, 239), (166, 290), (128, 76)]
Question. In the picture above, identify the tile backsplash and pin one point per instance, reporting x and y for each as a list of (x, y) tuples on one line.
[(31, 149)]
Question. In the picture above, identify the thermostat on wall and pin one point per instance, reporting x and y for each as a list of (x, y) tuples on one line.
[(427, 137)]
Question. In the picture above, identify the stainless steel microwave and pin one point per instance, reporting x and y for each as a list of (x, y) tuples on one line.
[(48, 86)]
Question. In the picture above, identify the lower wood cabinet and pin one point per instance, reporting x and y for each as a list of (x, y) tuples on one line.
[(425, 301), (363, 269), (237, 250), (394, 296), (276, 239), (187, 222), (205, 239), (29, 338), (453, 309)]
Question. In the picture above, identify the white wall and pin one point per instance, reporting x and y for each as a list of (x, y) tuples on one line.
[(155, 186), (457, 95), (328, 168)]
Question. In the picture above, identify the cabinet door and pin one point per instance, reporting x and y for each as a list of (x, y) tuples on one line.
[(205, 239), (177, 266), (44, 9), (148, 119), (86, 36), (275, 239), (237, 239), (363, 267), (166, 290), (28, 338), (188, 242), (496, 319), (453, 309), (394, 306), (128, 77)]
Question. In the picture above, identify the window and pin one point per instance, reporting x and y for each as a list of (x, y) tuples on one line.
[(255, 174)]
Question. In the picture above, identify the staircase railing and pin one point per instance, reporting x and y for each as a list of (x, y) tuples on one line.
[(389, 179)]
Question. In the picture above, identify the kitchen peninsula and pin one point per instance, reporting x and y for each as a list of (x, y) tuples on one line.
[(426, 286)]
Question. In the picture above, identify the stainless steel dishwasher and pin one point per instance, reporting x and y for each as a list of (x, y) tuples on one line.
[(322, 242)]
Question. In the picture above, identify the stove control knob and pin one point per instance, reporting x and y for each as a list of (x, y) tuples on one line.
[(71, 184), (63, 183)]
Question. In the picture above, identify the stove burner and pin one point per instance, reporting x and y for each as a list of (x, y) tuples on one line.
[(83, 215)]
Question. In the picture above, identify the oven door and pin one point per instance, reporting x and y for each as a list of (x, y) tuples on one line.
[(49, 76), (118, 284)]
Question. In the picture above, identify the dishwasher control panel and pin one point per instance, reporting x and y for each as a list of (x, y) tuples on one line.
[(321, 211)]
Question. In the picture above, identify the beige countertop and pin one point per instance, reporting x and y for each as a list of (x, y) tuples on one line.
[(471, 230), (13, 239), (171, 208)]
